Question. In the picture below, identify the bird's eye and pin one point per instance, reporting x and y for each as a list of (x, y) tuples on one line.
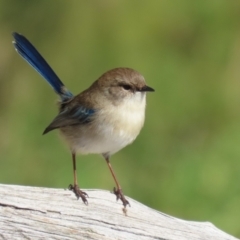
[(126, 87)]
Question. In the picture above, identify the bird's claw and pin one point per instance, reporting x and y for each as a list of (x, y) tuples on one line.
[(119, 195), (79, 193)]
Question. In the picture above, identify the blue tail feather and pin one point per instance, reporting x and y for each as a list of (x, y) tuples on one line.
[(34, 58)]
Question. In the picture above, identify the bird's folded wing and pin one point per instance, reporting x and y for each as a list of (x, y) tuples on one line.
[(69, 117)]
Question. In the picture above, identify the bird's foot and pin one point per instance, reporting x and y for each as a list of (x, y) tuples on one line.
[(79, 193), (119, 195)]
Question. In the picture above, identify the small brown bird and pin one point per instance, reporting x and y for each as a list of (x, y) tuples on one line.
[(103, 119)]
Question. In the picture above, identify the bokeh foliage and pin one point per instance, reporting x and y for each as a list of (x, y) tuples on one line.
[(186, 161)]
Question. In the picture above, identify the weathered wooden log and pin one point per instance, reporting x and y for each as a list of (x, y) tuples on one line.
[(44, 213)]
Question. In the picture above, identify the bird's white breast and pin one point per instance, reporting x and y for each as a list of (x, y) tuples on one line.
[(122, 123), (129, 117)]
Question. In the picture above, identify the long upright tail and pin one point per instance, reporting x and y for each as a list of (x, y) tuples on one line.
[(34, 58)]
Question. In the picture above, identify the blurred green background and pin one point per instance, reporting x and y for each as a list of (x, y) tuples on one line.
[(186, 161)]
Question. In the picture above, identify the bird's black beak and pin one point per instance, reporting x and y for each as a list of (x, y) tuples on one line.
[(146, 89)]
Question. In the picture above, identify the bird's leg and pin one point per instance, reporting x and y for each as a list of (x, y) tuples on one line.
[(117, 191), (75, 188)]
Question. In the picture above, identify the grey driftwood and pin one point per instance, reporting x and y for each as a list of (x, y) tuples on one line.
[(45, 213)]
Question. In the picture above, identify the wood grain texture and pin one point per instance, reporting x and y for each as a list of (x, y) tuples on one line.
[(44, 213)]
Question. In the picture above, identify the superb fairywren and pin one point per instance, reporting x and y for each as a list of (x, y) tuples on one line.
[(102, 119)]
